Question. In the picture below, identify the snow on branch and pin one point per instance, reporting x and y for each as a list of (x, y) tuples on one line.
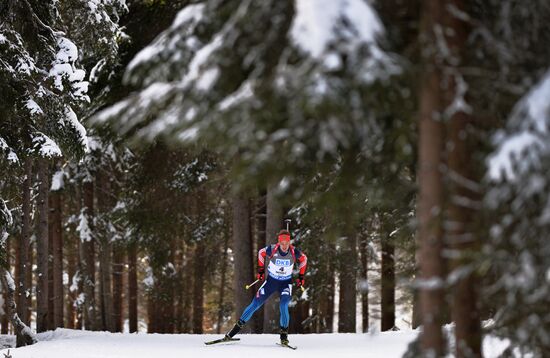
[(316, 25), (11, 156), (63, 68), (326, 29), (528, 139), (45, 146), (154, 62)]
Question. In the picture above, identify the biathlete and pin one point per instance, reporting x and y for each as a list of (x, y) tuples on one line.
[(280, 258)]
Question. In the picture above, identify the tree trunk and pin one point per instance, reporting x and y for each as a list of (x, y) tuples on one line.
[(416, 314), (80, 307), (301, 313), (104, 204), (132, 288), (179, 285), (243, 272), (118, 270), (87, 256), (365, 283), (51, 312), (326, 306), (274, 219), (388, 283), (169, 303), (152, 310), (57, 250), (187, 322), (5, 317), (72, 257), (25, 260), (221, 302), (261, 222), (348, 292), (462, 234), (106, 294), (198, 287), (430, 198), (327, 295), (24, 335), (42, 247)]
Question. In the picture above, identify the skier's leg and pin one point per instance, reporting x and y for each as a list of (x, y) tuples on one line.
[(284, 318), (262, 294)]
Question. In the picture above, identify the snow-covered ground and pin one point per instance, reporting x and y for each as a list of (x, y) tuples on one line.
[(65, 343)]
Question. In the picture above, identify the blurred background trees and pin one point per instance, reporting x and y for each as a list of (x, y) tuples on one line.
[(150, 148)]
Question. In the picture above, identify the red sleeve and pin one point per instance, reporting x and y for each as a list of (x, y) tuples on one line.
[(261, 257), (302, 260)]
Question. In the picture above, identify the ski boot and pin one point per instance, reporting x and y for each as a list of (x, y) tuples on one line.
[(284, 339), (236, 329), (229, 335), (284, 336)]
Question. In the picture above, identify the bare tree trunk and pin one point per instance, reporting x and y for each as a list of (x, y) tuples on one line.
[(80, 306), (261, 222), (462, 234), (430, 198), (25, 261), (326, 306), (416, 314), (274, 219), (106, 274), (243, 272), (179, 285), (152, 311), (23, 333), (132, 288), (301, 313), (28, 277), (5, 317), (16, 268), (327, 295), (221, 302), (42, 247), (388, 282), (57, 250), (51, 312), (72, 257), (188, 292), (118, 269), (348, 292), (87, 256), (364, 284), (198, 287), (169, 304), (104, 204)]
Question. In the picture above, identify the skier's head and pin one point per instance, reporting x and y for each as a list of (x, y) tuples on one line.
[(284, 239)]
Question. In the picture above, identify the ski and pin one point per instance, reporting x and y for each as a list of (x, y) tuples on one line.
[(222, 340), (287, 346)]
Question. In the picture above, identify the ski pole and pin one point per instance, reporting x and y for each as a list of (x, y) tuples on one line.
[(252, 284)]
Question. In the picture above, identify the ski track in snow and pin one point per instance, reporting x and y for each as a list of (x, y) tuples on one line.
[(66, 343)]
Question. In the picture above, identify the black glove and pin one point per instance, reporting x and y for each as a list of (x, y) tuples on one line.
[(300, 281), (261, 274)]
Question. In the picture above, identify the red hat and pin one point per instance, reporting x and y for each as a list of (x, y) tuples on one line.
[(283, 235)]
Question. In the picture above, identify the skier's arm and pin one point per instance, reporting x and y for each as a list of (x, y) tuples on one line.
[(302, 263), (261, 258), (261, 263), (301, 259)]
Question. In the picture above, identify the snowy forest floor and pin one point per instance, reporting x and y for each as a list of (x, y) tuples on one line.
[(65, 343)]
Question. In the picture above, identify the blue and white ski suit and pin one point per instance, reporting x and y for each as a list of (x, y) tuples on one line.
[(279, 279)]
